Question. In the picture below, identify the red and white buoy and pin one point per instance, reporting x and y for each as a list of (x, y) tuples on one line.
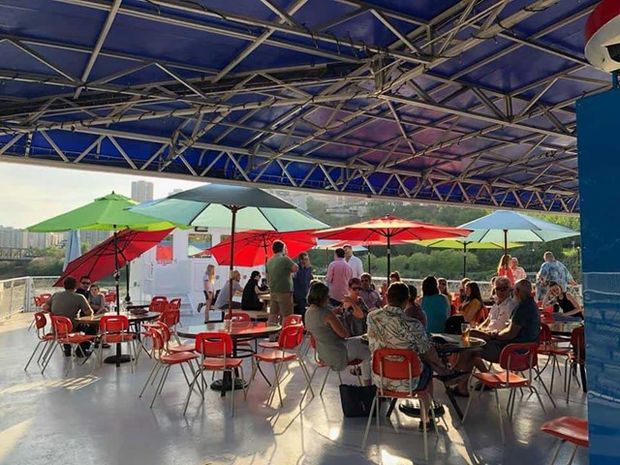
[(603, 36)]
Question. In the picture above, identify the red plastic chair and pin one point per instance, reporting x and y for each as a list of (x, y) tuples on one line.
[(158, 304), (567, 429), (175, 304), (288, 321), (40, 322), (114, 329), (548, 345), (320, 364), (216, 349), (576, 357), (398, 364), (289, 342), (63, 334), (240, 319), (45, 297), (171, 317), (188, 346), (164, 360), (515, 359)]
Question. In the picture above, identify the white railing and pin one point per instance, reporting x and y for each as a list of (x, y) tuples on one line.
[(17, 294)]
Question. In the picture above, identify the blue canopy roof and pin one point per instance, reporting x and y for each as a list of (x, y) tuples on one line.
[(468, 101)]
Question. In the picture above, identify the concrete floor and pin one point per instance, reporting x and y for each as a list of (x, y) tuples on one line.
[(84, 419)]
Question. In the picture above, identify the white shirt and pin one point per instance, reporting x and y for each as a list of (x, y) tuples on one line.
[(500, 314), (356, 265)]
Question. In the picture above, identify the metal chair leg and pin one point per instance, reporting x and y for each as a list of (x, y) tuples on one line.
[(147, 380), (556, 452), (372, 409), (33, 354), (499, 414), (324, 381)]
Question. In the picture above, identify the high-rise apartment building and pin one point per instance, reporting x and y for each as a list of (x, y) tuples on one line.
[(141, 191)]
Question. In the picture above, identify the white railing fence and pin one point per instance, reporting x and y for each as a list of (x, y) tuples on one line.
[(17, 294)]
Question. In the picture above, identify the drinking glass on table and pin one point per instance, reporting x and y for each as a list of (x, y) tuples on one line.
[(465, 328)]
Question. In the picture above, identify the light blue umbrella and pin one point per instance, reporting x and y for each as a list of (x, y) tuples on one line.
[(504, 226), (73, 247)]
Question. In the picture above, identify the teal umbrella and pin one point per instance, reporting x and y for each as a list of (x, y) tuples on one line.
[(503, 226), (237, 207)]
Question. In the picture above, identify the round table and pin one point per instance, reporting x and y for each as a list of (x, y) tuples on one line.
[(239, 332), (134, 318), (453, 344), (564, 328)]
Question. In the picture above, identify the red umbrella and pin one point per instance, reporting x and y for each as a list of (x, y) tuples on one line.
[(388, 230), (100, 262), (253, 247)]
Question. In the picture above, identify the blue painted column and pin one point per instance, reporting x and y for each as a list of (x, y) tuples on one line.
[(598, 131)]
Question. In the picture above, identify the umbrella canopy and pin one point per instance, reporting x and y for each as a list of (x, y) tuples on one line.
[(503, 226), (100, 261), (237, 207), (324, 244), (464, 243), (213, 205), (254, 247), (390, 230), (73, 248), (105, 214)]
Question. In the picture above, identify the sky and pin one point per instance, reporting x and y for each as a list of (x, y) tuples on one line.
[(31, 194)]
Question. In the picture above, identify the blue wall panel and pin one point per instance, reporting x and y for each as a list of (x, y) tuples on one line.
[(598, 129)]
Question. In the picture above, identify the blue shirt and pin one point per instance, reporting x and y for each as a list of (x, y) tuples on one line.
[(301, 283), (437, 309)]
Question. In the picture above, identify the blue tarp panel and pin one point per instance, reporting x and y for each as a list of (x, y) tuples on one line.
[(441, 101)]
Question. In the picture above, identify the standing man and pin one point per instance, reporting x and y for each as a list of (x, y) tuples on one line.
[(279, 274), (84, 288), (301, 283), (338, 275), (355, 263), (552, 270)]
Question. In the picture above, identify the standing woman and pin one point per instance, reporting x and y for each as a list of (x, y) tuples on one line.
[(435, 306), (471, 306), (209, 289), (503, 269)]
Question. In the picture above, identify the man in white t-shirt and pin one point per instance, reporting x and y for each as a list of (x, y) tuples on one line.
[(354, 262), (501, 310)]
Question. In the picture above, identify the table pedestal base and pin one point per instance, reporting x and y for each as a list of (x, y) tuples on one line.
[(116, 359), (225, 384)]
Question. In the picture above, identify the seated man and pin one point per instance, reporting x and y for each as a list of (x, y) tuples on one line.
[(354, 310), (524, 326), (68, 303), (224, 295), (501, 310), (389, 327), (371, 297)]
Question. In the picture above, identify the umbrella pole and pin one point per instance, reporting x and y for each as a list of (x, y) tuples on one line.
[(118, 293), (506, 246), (389, 253), (234, 210), (368, 251), (127, 297), (464, 260)]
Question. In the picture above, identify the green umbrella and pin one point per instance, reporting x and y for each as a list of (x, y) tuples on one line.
[(464, 244), (108, 213), (237, 207)]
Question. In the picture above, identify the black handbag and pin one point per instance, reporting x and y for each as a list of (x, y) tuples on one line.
[(356, 401)]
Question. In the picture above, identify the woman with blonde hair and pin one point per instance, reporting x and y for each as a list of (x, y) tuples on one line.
[(209, 290), (503, 268)]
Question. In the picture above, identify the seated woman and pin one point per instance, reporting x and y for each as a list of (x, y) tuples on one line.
[(96, 299), (471, 306), (414, 310), (435, 306), (562, 300), (251, 291), (333, 345)]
